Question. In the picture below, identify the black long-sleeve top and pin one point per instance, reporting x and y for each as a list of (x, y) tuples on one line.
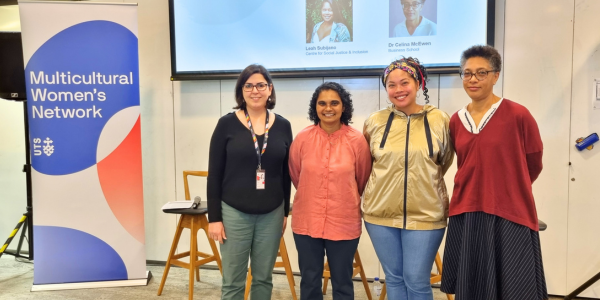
[(232, 165)]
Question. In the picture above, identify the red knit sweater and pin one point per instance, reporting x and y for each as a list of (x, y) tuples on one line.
[(497, 166)]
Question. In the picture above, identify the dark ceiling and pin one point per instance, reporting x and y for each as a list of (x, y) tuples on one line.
[(15, 2), (8, 2)]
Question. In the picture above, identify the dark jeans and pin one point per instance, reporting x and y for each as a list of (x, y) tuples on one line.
[(340, 255)]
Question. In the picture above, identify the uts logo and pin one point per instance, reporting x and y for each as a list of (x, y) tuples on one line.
[(48, 147)]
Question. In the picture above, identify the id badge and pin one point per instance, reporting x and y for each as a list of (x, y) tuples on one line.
[(260, 179)]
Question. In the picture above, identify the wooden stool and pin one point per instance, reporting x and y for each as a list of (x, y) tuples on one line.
[(284, 263), (358, 268), (435, 278), (194, 219)]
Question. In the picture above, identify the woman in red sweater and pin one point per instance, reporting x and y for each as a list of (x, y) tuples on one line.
[(493, 246)]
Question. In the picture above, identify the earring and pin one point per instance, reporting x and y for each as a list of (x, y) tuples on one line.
[(419, 94), (388, 100)]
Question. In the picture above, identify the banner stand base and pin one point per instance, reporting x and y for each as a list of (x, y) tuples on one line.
[(92, 285)]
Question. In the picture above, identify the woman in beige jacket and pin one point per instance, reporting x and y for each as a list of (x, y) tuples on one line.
[(405, 202)]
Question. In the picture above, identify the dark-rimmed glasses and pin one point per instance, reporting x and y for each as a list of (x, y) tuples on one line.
[(409, 5), (480, 75), (261, 86)]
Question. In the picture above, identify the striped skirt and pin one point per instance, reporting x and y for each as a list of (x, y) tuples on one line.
[(488, 257)]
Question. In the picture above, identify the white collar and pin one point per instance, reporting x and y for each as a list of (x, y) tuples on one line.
[(467, 120)]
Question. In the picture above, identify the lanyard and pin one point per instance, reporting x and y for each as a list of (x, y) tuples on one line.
[(258, 152)]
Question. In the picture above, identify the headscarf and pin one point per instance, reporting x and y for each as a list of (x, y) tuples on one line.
[(405, 65)]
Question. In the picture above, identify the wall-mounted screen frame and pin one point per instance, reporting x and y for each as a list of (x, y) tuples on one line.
[(214, 39)]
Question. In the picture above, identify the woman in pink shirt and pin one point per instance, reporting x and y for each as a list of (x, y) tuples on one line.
[(330, 163)]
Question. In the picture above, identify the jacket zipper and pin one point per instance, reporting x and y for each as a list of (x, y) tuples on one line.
[(406, 170)]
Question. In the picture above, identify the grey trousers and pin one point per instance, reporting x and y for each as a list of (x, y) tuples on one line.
[(249, 236)]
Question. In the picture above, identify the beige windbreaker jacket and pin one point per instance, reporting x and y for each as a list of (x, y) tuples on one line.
[(406, 188)]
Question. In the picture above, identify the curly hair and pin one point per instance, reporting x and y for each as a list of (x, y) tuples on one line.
[(489, 53), (421, 76), (344, 95), (246, 73)]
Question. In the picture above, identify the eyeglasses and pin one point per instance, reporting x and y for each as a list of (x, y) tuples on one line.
[(261, 86), (480, 75), (413, 5)]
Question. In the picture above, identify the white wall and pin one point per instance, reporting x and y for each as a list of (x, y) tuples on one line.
[(548, 60), (583, 248), (158, 134), (9, 18), (537, 56), (13, 194)]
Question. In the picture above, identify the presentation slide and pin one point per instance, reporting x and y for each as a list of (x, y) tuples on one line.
[(227, 35)]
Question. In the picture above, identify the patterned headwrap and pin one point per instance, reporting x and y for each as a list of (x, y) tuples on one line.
[(403, 64)]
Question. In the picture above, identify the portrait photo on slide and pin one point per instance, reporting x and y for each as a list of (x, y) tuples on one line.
[(413, 18), (329, 21)]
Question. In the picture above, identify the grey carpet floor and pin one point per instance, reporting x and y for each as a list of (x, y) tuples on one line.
[(16, 279)]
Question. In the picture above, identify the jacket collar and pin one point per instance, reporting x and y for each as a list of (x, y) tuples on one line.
[(426, 108)]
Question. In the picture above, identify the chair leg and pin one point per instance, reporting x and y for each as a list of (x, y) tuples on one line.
[(198, 267), (362, 275), (171, 253), (213, 246), (383, 292), (212, 243), (248, 283), (287, 267), (438, 265), (325, 278), (193, 256)]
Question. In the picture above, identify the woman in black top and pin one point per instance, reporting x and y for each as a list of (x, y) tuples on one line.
[(249, 185)]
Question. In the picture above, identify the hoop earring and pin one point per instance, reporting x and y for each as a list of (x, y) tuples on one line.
[(388, 100), (419, 94)]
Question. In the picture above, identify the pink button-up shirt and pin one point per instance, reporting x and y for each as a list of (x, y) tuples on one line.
[(330, 173)]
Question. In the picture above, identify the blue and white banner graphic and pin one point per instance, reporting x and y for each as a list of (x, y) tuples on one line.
[(82, 76)]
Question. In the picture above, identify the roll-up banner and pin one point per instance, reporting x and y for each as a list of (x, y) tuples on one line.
[(82, 77)]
